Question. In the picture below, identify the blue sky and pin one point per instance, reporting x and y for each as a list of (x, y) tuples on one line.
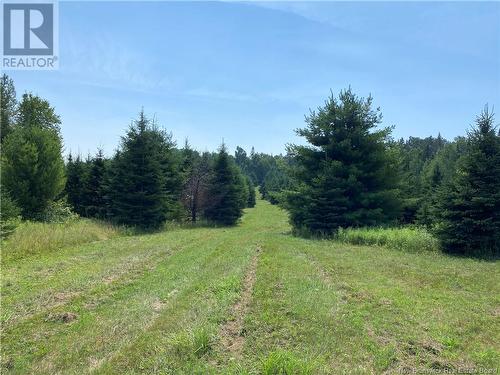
[(248, 72)]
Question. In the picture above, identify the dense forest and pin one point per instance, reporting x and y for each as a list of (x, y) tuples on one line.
[(351, 173)]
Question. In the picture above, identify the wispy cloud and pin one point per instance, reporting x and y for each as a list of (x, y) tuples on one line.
[(203, 92), (102, 61)]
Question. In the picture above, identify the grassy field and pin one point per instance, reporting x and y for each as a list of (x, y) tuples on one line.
[(245, 300)]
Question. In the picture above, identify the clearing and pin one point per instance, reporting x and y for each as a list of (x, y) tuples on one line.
[(247, 299)]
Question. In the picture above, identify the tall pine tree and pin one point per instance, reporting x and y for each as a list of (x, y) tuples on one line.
[(251, 193), (227, 191), (470, 205), (144, 183), (94, 187), (344, 177)]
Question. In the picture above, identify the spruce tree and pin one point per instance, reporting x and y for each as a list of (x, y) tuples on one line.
[(345, 177), (470, 205), (242, 182), (32, 163), (143, 183), (94, 187), (189, 157), (76, 181), (251, 193), (226, 192)]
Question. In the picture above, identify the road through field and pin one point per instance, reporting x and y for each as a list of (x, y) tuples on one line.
[(246, 299)]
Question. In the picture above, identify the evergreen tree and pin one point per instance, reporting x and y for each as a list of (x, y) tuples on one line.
[(226, 191), (110, 178), (189, 157), (94, 187), (251, 193), (76, 181), (470, 205), (416, 156), (345, 178), (242, 182), (143, 183), (195, 191), (32, 164), (426, 214), (241, 159), (173, 178), (8, 105), (275, 183), (9, 214)]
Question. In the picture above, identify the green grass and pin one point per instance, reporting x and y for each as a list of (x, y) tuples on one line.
[(406, 239), (157, 303)]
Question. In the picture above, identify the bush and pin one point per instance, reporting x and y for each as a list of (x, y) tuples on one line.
[(37, 238), (407, 239), (57, 212)]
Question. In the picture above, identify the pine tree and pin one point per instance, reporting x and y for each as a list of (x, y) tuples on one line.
[(144, 183), (241, 159), (470, 205), (94, 187), (226, 191), (275, 183), (345, 177), (189, 157), (242, 182), (32, 164), (8, 105), (251, 193), (76, 181)]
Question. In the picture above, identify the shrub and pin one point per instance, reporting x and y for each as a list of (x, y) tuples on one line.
[(57, 212)]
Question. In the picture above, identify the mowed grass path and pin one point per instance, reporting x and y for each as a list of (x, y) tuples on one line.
[(247, 299)]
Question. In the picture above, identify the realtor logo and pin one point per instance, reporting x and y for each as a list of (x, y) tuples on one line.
[(29, 39)]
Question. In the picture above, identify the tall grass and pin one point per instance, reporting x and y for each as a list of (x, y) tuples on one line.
[(282, 362), (406, 239), (38, 237)]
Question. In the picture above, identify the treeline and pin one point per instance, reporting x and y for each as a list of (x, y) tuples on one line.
[(350, 173), (147, 181)]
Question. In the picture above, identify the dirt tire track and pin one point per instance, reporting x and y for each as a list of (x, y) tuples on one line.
[(231, 333)]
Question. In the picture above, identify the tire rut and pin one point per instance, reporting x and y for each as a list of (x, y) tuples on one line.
[(232, 331)]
